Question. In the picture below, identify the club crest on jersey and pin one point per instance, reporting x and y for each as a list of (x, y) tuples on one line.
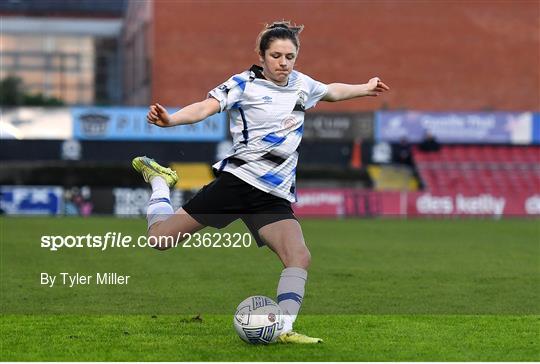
[(302, 97), (290, 122)]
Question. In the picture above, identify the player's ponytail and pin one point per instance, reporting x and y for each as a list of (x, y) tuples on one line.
[(278, 30)]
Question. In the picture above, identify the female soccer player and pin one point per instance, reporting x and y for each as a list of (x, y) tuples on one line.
[(256, 181)]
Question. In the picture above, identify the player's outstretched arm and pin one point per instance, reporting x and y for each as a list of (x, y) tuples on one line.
[(342, 91), (190, 114)]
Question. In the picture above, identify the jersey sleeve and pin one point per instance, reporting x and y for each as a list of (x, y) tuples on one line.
[(230, 92), (317, 90)]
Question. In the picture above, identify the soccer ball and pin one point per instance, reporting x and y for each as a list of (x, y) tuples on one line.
[(258, 320)]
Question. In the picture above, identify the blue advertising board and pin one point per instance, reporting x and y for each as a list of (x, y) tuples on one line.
[(455, 127), (536, 128), (129, 123), (31, 200)]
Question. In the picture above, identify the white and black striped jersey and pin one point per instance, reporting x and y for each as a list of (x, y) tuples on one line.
[(266, 123)]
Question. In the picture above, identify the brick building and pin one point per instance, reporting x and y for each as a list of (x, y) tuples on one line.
[(68, 50), (444, 55)]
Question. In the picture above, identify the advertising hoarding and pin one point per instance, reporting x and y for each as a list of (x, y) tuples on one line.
[(129, 123), (31, 200), (312, 202), (455, 127)]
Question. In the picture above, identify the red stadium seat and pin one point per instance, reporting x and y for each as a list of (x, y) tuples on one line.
[(472, 168)]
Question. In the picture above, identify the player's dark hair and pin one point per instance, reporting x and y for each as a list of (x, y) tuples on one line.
[(278, 30)]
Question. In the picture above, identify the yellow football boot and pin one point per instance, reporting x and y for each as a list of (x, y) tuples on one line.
[(149, 168)]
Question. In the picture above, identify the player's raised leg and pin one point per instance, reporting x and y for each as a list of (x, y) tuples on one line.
[(162, 221), (285, 238)]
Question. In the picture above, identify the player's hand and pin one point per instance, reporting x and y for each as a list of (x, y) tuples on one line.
[(157, 115), (375, 87)]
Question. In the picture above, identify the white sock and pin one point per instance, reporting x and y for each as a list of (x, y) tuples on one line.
[(159, 206), (290, 293), (159, 188)]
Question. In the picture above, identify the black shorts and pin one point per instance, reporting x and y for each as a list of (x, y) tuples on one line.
[(228, 198)]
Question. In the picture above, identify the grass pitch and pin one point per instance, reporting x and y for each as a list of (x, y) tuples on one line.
[(378, 290)]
